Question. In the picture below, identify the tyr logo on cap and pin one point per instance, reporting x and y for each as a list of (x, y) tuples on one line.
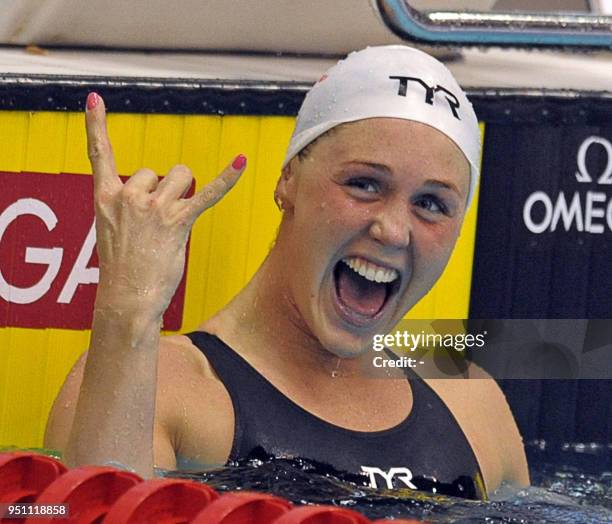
[(430, 91)]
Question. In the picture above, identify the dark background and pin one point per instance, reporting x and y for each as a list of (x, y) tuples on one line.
[(519, 274)]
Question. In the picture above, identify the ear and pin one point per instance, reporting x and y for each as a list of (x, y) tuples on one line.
[(286, 187)]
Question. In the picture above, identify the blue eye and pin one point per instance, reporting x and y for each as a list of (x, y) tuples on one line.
[(365, 184), (432, 204)]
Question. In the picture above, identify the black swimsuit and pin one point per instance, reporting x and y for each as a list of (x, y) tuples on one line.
[(426, 451)]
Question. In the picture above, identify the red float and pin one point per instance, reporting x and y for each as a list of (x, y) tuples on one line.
[(163, 501), (89, 492), (322, 515), (243, 508), (23, 476)]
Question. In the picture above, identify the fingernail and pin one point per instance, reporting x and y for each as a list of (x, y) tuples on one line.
[(239, 162), (92, 100)]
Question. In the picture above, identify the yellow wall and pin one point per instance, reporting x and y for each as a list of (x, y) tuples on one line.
[(227, 244)]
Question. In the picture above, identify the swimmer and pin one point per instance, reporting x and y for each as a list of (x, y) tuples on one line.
[(378, 176)]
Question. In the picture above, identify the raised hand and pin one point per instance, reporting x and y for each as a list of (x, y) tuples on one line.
[(142, 226)]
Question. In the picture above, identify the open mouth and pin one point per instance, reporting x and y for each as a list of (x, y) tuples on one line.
[(363, 289)]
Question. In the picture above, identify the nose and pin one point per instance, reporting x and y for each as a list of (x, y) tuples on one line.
[(392, 225)]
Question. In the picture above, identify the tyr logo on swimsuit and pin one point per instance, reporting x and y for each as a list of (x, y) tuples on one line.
[(430, 91), (402, 474)]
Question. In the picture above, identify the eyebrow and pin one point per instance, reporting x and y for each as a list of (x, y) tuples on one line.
[(385, 170), (443, 184)]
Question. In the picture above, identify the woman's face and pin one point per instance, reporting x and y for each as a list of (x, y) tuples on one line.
[(372, 214)]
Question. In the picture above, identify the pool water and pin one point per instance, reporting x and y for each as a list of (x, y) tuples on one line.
[(571, 485)]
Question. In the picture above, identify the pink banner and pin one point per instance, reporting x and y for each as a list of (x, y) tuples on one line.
[(48, 262)]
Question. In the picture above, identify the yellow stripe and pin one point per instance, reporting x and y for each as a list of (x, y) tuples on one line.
[(227, 245), (481, 489)]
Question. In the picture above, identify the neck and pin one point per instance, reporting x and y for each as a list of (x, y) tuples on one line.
[(264, 317)]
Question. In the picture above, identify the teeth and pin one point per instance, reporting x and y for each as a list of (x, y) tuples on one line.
[(371, 271)]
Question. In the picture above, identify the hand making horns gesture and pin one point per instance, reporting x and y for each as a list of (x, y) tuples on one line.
[(142, 226)]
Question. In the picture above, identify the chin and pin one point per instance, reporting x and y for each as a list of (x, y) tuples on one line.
[(346, 344), (344, 331)]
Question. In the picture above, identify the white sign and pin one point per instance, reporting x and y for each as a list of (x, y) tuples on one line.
[(589, 212), (51, 257)]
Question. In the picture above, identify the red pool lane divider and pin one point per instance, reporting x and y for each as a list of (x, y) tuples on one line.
[(243, 507), (23, 476), (89, 492), (162, 501), (322, 515)]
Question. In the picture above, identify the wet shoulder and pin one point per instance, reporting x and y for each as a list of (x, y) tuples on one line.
[(194, 403), (185, 370), (179, 354)]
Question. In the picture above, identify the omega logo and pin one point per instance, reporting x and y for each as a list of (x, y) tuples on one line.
[(584, 212)]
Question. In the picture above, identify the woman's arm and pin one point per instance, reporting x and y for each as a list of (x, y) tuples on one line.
[(176, 367), (142, 228)]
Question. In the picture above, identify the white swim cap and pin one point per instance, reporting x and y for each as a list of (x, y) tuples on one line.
[(390, 81)]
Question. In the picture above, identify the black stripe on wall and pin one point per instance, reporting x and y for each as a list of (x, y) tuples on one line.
[(561, 274)]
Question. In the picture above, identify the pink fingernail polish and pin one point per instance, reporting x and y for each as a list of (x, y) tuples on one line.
[(92, 100), (239, 162)]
